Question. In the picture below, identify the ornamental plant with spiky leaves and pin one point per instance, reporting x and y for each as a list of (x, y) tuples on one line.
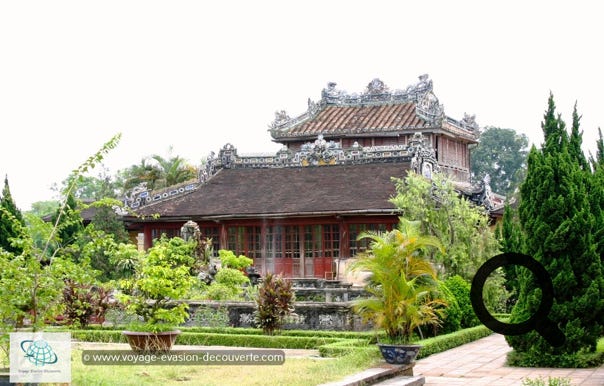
[(274, 302), (403, 284)]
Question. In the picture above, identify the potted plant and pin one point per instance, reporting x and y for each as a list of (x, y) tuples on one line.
[(161, 277), (403, 288)]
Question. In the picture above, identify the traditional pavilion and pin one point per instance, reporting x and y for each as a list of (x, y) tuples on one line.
[(298, 212)]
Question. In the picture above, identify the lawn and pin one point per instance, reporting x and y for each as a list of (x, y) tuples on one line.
[(295, 371)]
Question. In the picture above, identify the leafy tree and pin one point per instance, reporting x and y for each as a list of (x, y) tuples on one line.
[(161, 275), (31, 282), (91, 188), (501, 154), (8, 228), (107, 220), (462, 227), (95, 248), (558, 231), (68, 220), (44, 208)]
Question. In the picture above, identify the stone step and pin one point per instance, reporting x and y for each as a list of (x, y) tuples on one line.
[(393, 375)]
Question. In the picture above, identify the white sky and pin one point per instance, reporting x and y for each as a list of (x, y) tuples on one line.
[(195, 75)]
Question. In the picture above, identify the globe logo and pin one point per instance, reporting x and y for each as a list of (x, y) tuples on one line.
[(38, 352)]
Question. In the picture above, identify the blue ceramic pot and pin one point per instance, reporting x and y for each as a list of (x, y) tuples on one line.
[(399, 354)]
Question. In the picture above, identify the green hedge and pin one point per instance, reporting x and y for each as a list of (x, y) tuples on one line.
[(266, 341), (371, 335), (104, 336), (345, 346), (213, 339), (446, 342), (429, 346), (257, 331), (329, 343)]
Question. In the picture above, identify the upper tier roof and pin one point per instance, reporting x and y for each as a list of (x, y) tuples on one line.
[(377, 111)]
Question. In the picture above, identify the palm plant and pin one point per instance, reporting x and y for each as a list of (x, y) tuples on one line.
[(173, 170), (403, 284)]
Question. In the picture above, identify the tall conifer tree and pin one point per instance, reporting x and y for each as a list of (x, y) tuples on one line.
[(8, 229), (559, 231), (576, 140)]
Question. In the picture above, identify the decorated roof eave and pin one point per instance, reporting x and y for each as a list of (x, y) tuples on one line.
[(369, 133), (460, 136), (280, 215)]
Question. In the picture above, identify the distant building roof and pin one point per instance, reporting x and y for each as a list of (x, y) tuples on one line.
[(375, 112)]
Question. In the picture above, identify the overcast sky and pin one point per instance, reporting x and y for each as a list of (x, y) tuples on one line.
[(196, 75)]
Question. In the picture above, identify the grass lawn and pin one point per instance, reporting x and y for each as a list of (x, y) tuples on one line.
[(295, 371)]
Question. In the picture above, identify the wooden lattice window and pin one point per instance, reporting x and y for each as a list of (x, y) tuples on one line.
[(359, 246), (244, 240)]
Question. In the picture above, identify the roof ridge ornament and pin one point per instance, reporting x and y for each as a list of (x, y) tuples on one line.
[(375, 93), (423, 160), (468, 122)]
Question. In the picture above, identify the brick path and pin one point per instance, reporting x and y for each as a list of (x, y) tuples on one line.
[(483, 363)]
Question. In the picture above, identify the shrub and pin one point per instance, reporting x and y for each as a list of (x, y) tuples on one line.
[(229, 260), (84, 303), (274, 302), (461, 290), (453, 314), (162, 275)]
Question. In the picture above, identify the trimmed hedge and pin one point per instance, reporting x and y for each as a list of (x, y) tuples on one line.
[(345, 347), (257, 331), (329, 343), (103, 336), (265, 341), (370, 335), (429, 346), (213, 339), (446, 342)]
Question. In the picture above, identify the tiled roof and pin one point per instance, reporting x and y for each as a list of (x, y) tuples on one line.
[(376, 111), (275, 192), (360, 119)]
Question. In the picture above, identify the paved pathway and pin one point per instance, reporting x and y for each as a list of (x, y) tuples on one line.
[(483, 363)]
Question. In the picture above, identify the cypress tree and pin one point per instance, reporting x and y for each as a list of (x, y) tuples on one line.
[(511, 241), (576, 140), (559, 231), (596, 194), (10, 213)]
